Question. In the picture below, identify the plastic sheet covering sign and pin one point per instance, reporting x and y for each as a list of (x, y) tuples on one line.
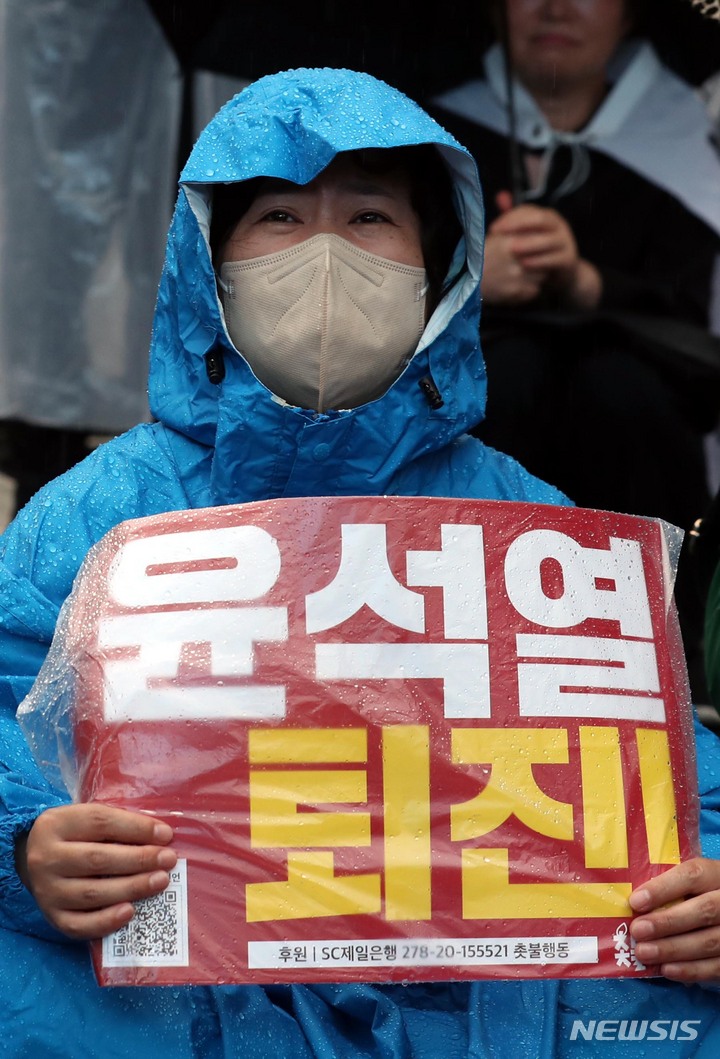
[(397, 738)]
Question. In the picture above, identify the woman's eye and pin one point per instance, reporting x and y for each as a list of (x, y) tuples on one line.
[(370, 217), (278, 216)]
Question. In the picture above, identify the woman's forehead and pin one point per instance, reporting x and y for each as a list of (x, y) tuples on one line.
[(347, 172)]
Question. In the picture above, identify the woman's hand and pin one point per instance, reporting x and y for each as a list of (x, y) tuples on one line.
[(543, 247), (505, 281), (85, 864), (683, 940)]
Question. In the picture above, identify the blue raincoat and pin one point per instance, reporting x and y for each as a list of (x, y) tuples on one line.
[(233, 442)]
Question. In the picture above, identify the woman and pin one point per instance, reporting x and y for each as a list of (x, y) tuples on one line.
[(238, 422)]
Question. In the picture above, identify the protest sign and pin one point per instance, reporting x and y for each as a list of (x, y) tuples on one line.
[(397, 738)]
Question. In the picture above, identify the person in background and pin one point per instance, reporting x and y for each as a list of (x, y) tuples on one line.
[(602, 186), (328, 182)]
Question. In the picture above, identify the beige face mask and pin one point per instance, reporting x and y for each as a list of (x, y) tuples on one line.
[(324, 325)]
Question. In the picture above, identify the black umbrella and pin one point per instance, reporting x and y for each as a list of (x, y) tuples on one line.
[(393, 39), (686, 34), (419, 53)]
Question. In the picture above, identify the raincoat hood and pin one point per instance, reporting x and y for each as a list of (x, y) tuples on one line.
[(290, 126)]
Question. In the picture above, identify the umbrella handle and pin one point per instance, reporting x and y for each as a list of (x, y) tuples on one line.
[(517, 169)]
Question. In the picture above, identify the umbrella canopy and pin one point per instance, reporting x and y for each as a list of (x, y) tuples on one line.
[(394, 40), (686, 34), (420, 53)]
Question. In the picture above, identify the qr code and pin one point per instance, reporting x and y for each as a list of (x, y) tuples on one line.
[(157, 935)]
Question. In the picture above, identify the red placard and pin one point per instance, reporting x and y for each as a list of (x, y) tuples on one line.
[(397, 738)]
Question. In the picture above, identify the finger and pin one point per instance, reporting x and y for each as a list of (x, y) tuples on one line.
[(681, 918), (94, 822), (92, 894), (523, 218), (504, 201), (512, 225), (692, 877), (706, 971), (548, 263), (698, 945), (80, 859), (85, 926), (539, 245)]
